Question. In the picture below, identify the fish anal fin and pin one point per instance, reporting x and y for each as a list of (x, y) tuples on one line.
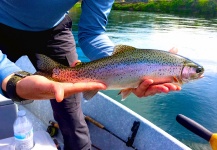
[(122, 48), (125, 93), (87, 95)]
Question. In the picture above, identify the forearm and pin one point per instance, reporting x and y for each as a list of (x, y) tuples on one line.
[(7, 68), (92, 26), (96, 46)]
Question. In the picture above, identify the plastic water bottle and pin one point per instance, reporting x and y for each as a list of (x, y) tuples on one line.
[(23, 132)]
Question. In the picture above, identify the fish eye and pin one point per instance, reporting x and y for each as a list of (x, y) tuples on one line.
[(199, 69)]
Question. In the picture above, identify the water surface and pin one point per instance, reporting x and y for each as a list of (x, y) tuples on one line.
[(196, 39)]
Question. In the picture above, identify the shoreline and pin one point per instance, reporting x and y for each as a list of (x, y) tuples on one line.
[(186, 8)]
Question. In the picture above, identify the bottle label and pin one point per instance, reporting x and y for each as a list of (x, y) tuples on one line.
[(23, 135), (24, 140)]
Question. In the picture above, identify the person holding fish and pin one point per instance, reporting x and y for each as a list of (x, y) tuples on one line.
[(44, 27)]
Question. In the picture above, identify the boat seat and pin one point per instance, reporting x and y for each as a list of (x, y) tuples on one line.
[(8, 114)]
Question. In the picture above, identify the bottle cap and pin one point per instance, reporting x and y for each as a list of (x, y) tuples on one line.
[(21, 113)]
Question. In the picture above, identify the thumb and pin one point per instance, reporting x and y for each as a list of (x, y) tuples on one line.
[(174, 50), (59, 92)]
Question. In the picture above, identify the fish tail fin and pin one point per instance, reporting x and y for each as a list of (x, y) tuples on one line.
[(46, 64)]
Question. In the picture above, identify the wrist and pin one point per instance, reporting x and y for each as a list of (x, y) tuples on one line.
[(12, 88), (5, 81)]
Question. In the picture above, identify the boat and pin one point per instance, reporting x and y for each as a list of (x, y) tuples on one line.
[(112, 125)]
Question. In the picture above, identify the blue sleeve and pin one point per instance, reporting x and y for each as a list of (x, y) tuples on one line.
[(6, 68), (91, 31)]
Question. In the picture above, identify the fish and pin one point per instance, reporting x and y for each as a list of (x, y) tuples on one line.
[(124, 70)]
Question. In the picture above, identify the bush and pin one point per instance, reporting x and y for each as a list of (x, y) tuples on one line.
[(207, 7), (187, 7)]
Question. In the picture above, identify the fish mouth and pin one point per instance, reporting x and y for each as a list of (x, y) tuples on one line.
[(200, 76), (201, 73)]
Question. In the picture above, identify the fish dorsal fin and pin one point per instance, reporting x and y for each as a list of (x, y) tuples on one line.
[(122, 48)]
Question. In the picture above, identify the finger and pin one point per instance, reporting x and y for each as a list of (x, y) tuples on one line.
[(165, 88), (142, 87), (154, 89), (172, 87), (50, 91), (72, 88), (63, 90), (75, 63), (59, 92), (173, 50), (80, 87)]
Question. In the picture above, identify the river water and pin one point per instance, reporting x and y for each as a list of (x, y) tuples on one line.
[(196, 39)]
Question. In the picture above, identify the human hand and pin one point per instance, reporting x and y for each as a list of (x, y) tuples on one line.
[(37, 87), (148, 87)]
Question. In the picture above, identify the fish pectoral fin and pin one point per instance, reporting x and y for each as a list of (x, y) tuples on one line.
[(87, 95), (125, 93), (122, 48), (177, 80)]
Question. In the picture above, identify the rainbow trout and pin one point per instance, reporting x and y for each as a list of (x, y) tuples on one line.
[(125, 69)]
